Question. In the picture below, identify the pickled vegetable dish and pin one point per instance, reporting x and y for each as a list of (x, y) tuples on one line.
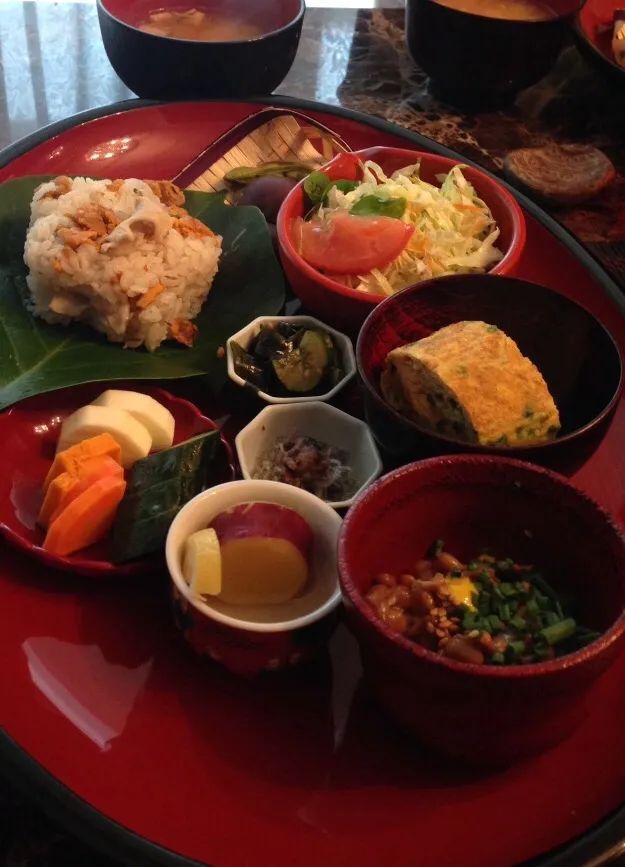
[(378, 233), (284, 359), (307, 463), (486, 612)]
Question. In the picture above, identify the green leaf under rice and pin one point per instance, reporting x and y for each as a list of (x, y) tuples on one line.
[(36, 357)]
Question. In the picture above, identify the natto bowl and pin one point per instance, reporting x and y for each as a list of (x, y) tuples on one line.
[(575, 353), (478, 62), (250, 639), (160, 67), (339, 305), (479, 713)]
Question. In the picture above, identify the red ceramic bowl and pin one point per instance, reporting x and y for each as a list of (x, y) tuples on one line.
[(593, 31), (339, 305), (577, 356), (484, 714), (29, 432), (249, 639)]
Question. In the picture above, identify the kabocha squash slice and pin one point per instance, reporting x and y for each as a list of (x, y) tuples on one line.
[(159, 486)]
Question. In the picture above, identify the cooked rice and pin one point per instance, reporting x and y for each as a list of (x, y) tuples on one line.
[(120, 255)]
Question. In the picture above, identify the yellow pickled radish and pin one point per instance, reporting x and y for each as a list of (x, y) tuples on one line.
[(201, 563)]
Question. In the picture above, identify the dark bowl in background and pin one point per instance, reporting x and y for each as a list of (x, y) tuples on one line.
[(475, 61), (490, 715), (158, 67), (576, 355)]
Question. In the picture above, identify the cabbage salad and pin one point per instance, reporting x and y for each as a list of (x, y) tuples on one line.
[(454, 230)]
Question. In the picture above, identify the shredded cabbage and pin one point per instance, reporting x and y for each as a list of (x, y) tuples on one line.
[(455, 232)]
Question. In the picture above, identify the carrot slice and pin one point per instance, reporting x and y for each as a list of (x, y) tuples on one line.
[(88, 519), (94, 447), (89, 472), (57, 489)]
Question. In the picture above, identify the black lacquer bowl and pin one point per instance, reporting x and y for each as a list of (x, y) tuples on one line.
[(576, 355), (158, 67), (476, 62)]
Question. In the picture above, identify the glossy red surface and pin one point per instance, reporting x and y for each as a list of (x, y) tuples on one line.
[(107, 697), (503, 713), (346, 307), (594, 28), (29, 432)]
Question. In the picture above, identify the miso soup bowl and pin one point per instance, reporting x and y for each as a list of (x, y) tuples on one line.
[(479, 713), (475, 61), (250, 639), (159, 67)]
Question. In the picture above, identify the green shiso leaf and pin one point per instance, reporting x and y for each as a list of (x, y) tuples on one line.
[(36, 357)]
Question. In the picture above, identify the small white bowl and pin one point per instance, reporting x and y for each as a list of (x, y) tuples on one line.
[(324, 423), (247, 334), (322, 592)]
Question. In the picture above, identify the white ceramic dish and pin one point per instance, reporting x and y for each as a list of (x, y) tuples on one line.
[(318, 420), (322, 592), (247, 334)]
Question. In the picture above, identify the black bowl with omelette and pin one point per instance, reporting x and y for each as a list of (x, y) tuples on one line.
[(481, 363)]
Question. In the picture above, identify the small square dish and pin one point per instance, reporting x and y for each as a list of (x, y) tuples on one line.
[(328, 426), (340, 363)]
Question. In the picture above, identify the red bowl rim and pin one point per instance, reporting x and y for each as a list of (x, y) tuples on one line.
[(104, 568), (506, 265), (475, 448), (513, 672), (174, 39), (583, 34)]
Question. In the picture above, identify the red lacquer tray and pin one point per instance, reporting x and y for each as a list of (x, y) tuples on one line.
[(165, 759)]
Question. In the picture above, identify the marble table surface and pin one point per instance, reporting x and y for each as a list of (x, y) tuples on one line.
[(53, 64)]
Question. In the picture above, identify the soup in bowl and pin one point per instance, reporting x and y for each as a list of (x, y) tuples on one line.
[(168, 50)]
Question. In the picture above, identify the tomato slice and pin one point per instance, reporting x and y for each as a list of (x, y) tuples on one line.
[(346, 167), (347, 244)]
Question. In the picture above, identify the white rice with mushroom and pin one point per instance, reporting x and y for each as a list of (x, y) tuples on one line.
[(123, 256)]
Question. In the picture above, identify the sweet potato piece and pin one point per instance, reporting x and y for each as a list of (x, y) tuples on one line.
[(87, 520)]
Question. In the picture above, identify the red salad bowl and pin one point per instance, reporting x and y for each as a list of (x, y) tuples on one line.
[(339, 305), (484, 714)]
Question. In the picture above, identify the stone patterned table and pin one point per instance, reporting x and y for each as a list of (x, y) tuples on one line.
[(53, 65)]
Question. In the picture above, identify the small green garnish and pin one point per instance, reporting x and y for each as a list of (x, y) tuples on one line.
[(491, 329), (343, 186), (316, 185), (376, 206)]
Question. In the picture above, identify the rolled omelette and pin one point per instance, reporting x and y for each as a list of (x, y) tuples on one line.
[(470, 381)]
